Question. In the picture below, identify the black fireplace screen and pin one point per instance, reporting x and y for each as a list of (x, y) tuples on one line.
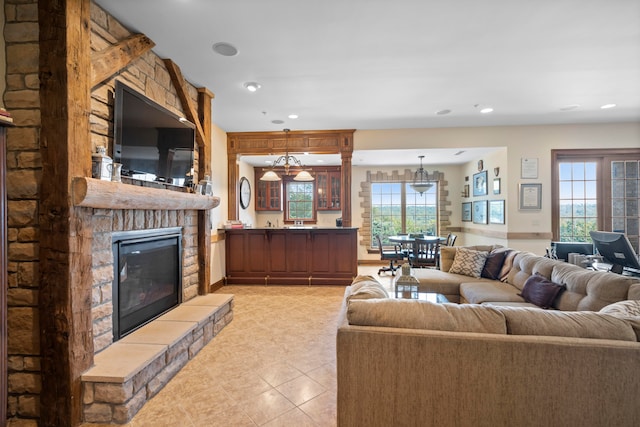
[(147, 277)]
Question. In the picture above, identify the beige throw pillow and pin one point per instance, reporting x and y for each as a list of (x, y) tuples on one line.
[(468, 262), (628, 310), (365, 287)]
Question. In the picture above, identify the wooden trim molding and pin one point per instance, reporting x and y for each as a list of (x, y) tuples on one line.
[(96, 193), (309, 141)]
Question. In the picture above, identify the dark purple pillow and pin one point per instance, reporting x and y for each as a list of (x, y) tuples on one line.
[(540, 291), (493, 265)]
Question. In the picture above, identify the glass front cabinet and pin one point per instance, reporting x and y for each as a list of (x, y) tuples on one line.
[(328, 190)]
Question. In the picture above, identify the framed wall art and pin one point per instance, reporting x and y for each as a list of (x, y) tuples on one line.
[(466, 211), (480, 212), (530, 197), (480, 184), (496, 185), (496, 212)]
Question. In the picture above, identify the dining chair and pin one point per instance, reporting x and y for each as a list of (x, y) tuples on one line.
[(392, 255), (451, 239), (426, 253)]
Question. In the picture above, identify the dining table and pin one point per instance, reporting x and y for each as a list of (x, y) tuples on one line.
[(408, 239)]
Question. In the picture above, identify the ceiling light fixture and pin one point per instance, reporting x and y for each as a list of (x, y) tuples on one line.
[(252, 86), (443, 112), (288, 161), (486, 110), (420, 179), (293, 116), (607, 106)]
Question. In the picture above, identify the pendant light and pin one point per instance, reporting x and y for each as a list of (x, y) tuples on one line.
[(288, 161), (421, 179)]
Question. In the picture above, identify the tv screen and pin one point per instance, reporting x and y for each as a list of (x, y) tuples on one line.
[(151, 142), (616, 249)]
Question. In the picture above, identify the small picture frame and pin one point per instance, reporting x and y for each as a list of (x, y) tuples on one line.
[(480, 212), (530, 197), (465, 191), (496, 185), (466, 212), (480, 184), (496, 212), (529, 168)]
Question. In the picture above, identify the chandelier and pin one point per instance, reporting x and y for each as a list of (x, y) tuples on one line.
[(288, 161), (421, 179)]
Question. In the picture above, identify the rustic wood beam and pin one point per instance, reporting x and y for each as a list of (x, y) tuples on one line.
[(109, 61), (95, 193), (64, 300), (187, 104), (204, 216)]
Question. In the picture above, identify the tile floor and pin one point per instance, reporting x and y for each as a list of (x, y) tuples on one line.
[(273, 365)]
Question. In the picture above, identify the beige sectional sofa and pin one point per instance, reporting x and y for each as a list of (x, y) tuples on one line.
[(416, 363)]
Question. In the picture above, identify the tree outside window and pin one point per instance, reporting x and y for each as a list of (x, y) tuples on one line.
[(396, 208), (299, 201)]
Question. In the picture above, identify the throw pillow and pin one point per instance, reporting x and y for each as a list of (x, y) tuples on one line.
[(493, 265), (468, 262), (365, 287), (628, 310), (540, 291), (507, 265)]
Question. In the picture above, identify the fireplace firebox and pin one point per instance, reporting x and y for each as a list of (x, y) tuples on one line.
[(147, 276)]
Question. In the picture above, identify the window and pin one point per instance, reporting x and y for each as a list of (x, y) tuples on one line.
[(578, 200), (396, 208), (595, 190), (299, 201)]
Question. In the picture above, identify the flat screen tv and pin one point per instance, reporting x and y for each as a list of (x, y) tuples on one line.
[(616, 250), (151, 142)]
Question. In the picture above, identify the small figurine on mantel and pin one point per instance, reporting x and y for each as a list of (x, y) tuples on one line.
[(101, 164)]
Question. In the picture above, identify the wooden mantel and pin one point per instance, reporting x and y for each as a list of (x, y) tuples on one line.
[(96, 193)]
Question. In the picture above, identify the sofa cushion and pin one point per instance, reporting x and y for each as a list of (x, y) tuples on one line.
[(488, 291), (365, 287), (541, 291), (493, 264), (468, 262), (628, 310), (507, 264), (414, 314), (577, 324)]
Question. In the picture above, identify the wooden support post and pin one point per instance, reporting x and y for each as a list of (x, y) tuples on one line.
[(66, 338), (204, 217)]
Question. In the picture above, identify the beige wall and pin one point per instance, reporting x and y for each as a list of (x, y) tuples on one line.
[(520, 142)]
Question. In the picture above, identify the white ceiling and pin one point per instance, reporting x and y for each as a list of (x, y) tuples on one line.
[(376, 64)]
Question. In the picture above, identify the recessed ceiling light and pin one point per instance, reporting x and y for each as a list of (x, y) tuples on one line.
[(293, 116), (320, 161), (252, 86), (486, 110), (443, 112), (607, 106), (569, 107), (459, 152), (277, 122), (225, 49)]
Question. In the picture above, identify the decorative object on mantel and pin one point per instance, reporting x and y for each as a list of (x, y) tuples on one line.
[(101, 164), (420, 179), (204, 186), (271, 175)]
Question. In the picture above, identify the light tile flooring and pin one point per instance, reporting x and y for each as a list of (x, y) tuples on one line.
[(273, 365)]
